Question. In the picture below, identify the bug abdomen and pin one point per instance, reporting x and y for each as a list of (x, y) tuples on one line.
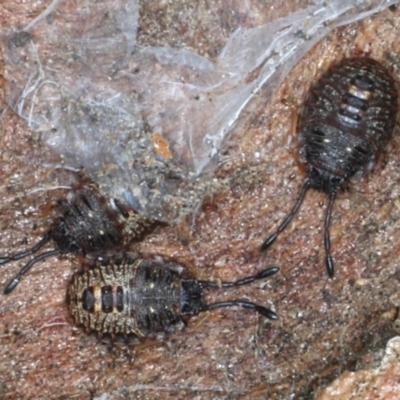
[(98, 299), (348, 117), (89, 223)]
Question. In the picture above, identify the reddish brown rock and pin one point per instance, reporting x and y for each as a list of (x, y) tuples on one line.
[(326, 325)]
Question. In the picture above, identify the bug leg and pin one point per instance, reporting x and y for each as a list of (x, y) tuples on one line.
[(242, 303), (268, 242), (15, 280), (330, 265), (46, 238)]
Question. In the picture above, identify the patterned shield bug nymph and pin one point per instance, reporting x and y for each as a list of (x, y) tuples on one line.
[(347, 120), (133, 296), (88, 223)]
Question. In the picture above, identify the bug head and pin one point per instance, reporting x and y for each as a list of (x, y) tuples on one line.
[(65, 241), (192, 302), (323, 180), (64, 238)]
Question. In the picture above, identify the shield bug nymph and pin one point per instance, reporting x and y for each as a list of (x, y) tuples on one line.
[(139, 297), (88, 224), (346, 122)]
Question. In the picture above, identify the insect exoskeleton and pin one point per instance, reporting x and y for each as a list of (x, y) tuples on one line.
[(346, 122), (140, 297), (88, 223)]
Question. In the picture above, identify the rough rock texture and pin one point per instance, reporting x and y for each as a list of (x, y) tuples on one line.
[(325, 326), (379, 383)]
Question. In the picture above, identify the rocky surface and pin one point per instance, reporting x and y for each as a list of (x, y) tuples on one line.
[(326, 326)]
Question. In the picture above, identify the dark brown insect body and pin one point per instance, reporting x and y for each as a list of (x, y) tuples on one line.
[(138, 297), (88, 224), (346, 122)]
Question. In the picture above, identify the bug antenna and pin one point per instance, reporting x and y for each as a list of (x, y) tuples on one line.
[(46, 238), (266, 312), (245, 281), (268, 242), (242, 303), (15, 280), (330, 266)]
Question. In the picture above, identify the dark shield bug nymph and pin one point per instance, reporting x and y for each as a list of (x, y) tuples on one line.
[(347, 120), (88, 223), (140, 297)]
